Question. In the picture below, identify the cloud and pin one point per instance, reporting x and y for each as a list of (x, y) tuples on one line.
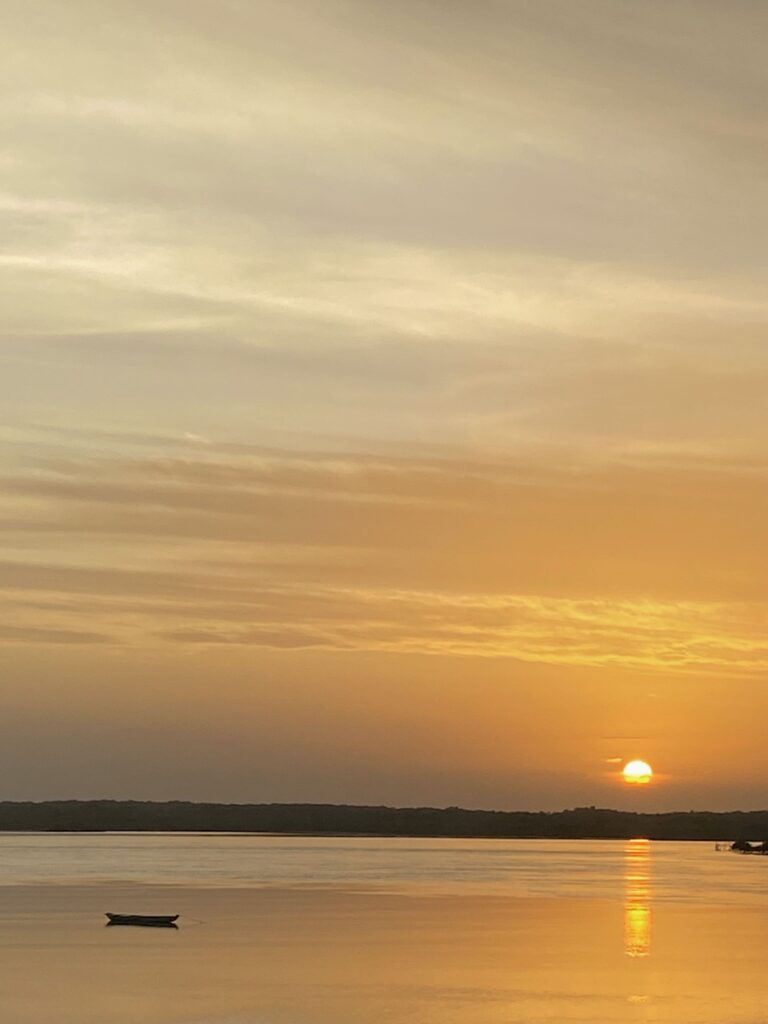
[(559, 561), (496, 229), (31, 635)]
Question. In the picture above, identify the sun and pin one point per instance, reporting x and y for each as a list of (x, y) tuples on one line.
[(638, 773)]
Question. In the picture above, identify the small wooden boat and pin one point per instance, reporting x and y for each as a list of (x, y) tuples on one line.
[(145, 920)]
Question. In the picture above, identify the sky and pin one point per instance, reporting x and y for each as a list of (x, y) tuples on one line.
[(383, 401)]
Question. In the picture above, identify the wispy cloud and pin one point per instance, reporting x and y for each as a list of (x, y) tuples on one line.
[(570, 563)]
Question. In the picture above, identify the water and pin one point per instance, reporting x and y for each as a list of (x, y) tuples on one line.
[(566, 868), (310, 930)]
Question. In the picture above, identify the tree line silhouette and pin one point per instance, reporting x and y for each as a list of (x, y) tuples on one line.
[(342, 819)]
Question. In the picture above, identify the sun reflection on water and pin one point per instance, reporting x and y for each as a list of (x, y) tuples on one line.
[(637, 898)]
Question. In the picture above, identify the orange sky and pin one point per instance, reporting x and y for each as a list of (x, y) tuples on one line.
[(383, 394)]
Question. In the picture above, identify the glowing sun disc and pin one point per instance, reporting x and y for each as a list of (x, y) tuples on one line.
[(637, 772)]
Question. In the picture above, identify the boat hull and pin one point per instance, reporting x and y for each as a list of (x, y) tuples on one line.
[(144, 920)]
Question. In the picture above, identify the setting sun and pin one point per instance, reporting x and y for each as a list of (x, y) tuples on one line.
[(637, 772)]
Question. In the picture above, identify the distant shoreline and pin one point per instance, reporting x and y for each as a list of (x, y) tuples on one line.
[(356, 821)]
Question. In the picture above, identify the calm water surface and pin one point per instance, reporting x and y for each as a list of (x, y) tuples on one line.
[(312, 931)]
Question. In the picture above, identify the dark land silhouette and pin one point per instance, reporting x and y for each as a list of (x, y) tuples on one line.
[(341, 819)]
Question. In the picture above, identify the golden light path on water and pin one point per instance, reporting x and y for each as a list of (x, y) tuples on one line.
[(637, 898)]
